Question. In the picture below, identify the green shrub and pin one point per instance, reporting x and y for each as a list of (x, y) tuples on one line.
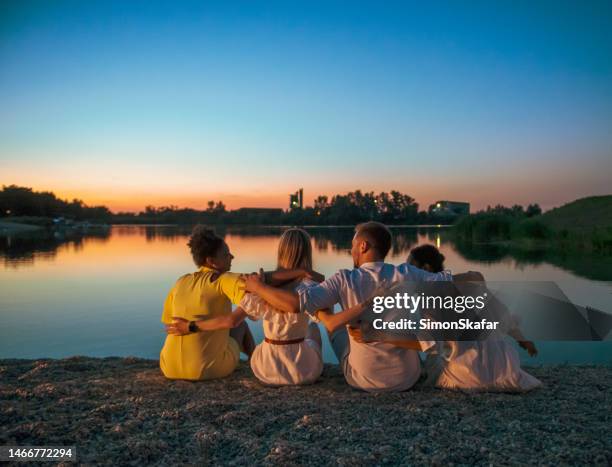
[(482, 227), (601, 240), (533, 228)]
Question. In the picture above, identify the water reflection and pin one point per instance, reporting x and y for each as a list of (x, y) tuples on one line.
[(100, 293), (585, 265), (25, 249)]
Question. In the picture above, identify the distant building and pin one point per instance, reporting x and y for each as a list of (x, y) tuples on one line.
[(449, 208), (296, 200)]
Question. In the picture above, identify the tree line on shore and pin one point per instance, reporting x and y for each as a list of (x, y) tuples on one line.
[(582, 224), (20, 202), (351, 208)]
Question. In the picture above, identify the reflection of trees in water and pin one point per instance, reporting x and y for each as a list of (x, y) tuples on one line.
[(485, 253), (331, 239), (403, 242), (585, 265), (340, 239), (593, 267), (324, 238), (154, 233), (25, 249), (175, 232)]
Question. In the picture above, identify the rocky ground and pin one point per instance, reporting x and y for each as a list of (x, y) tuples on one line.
[(122, 411)]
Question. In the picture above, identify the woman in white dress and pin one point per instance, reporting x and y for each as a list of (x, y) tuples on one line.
[(492, 364), (291, 351)]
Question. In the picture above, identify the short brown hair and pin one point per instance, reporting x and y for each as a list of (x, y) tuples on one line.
[(203, 243), (377, 234)]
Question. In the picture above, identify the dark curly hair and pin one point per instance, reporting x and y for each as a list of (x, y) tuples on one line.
[(427, 254), (203, 243)]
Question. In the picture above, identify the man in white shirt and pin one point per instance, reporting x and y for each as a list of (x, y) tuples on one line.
[(373, 366)]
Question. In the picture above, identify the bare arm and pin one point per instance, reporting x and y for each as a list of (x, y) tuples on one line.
[(180, 326), (257, 308), (333, 321), (529, 346), (284, 300), (515, 332), (222, 322), (283, 276)]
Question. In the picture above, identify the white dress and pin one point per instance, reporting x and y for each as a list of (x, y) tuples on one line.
[(492, 364), (489, 365), (280, 365)]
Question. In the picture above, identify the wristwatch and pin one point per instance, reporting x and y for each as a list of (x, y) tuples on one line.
[(193, 326)]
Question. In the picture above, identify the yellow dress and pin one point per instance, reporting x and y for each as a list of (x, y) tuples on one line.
[(204, 294)]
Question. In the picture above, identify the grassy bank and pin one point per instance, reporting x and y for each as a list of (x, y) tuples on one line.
[(583, 225), (122, 411)]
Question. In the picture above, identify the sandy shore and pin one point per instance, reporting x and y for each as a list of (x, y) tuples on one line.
[(121, 410)]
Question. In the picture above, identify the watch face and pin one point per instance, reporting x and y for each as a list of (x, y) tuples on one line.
[(192, 326)]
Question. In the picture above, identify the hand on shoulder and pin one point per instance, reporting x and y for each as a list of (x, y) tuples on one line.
[(315, 276)]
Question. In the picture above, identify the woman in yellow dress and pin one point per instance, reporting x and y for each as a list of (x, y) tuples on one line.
[(206, 294)]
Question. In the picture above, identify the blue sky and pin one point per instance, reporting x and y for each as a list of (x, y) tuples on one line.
[(134, 103)]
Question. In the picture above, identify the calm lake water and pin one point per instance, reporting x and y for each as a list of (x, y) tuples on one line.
[(101, 295)]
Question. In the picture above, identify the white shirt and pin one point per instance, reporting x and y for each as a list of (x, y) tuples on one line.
[(375, 366)]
